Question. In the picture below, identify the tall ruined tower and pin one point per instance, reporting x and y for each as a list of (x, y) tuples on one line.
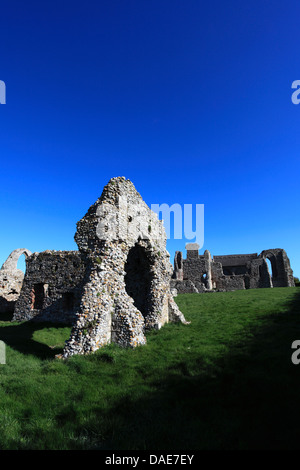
[(126, 287)]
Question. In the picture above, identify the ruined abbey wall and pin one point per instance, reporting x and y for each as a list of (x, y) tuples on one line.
[(201, 273), (52, 287), (118, 285), (115, 287), (11, 280), (127, 283)]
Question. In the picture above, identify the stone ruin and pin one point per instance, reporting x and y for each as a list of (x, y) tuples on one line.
[(52, 287), (11, 280), (202, 273), (115, 287), (118, 285)]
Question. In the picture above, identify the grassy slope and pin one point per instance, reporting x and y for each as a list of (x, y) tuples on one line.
[(226, 381)]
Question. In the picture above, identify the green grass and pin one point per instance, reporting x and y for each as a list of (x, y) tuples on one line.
[(226, 381)]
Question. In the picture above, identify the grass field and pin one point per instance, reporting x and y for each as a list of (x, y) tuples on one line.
[(226, 381)]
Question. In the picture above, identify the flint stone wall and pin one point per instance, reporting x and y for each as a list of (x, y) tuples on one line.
[(11, 280), (126, 289), (52, 287), (201, 273), (115, 287)]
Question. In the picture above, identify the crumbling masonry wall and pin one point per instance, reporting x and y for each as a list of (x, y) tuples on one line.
[(11, 280), (127, 283), (201, 273), (115, 287), (52, 287)]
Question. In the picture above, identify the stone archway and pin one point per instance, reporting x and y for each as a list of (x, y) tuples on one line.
[(271, 264), (11, 264), (282, 274), (272, 259), (11, 280)]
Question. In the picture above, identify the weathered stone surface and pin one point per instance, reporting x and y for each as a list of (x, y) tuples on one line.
[(52, 287), (126, 288), (11, 280), (116, 286), (281, 268), (178, 268), (201, 273)]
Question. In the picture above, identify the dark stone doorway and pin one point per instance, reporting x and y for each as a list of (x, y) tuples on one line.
[(38, 296), (138, 278)]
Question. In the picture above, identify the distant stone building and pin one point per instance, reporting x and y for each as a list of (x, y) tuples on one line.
[(201, 273), (115, 287)]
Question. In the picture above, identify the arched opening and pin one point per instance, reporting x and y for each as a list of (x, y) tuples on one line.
[(11, 264), (204, 279), (269, 267), (21, 264), (271, 263), (138, 278)]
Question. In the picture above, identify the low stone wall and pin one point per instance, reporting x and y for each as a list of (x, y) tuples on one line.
[(187, 287), (52, 287)]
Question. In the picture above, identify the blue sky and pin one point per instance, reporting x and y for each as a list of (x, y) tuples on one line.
[(191, 100)]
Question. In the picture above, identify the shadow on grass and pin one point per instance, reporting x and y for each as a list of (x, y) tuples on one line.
[(20, 337), (248, 400)]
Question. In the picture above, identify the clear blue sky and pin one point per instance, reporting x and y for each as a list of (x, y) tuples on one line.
[(191, 100)]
